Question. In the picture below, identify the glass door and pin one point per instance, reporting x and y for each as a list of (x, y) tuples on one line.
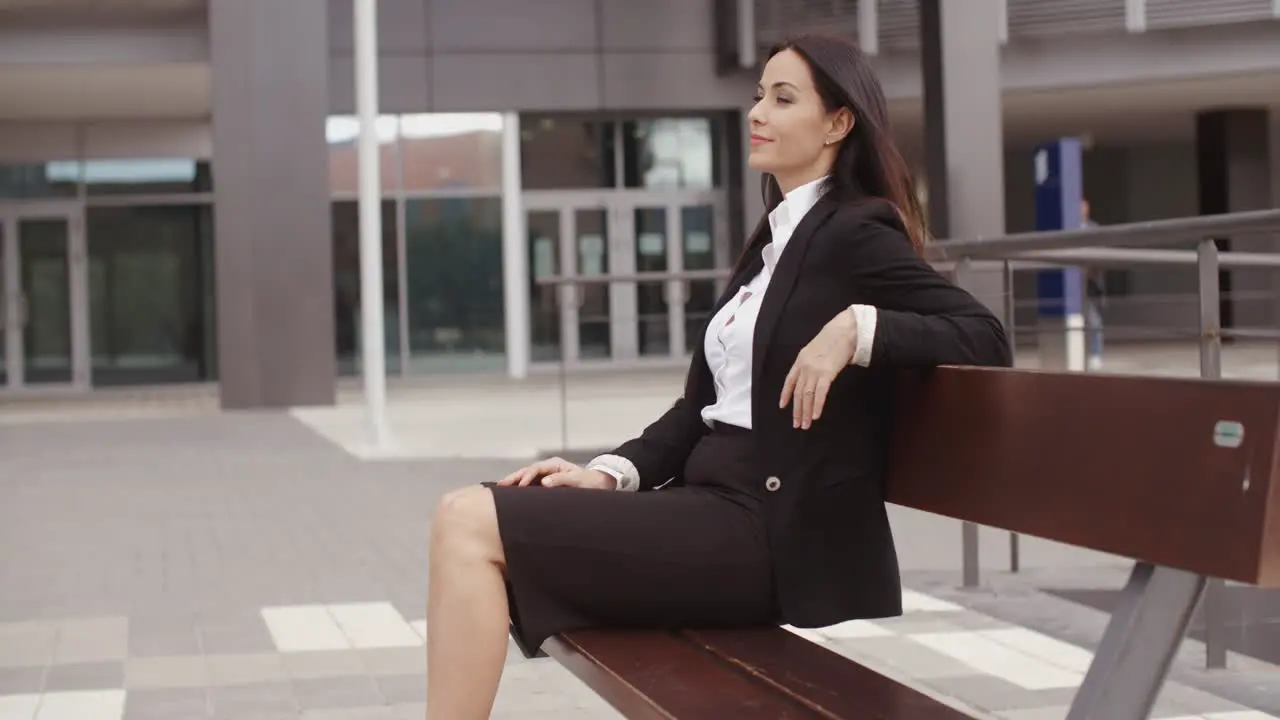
[(45, 293), (570, 237)]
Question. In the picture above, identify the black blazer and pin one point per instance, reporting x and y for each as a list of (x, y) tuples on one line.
[(832, 549)]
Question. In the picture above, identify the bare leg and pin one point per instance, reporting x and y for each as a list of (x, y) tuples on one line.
[(466, 608)]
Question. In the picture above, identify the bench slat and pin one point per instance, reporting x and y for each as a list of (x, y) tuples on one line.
[(828, 682), (1126, 465), (660, 676)]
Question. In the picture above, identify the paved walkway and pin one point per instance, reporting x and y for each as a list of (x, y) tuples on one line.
[(183, 563)]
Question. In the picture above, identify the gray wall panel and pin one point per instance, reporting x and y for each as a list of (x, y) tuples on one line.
[(404, 84), (402, 27), (513, 25), (273, 255), (516, 81), (657, 25), (671, 80)]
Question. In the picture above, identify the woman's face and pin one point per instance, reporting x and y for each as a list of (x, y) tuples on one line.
[(793, 137)]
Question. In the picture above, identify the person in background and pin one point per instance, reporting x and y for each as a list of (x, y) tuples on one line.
[(1095, 299)]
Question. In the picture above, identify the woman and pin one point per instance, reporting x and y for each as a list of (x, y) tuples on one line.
[(773, 460)]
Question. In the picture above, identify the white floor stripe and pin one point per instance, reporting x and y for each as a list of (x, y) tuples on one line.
[(855, 629), (993, 658), (913, 601), (374, 625), (82, 705), (299, 628), (807, 634), (1050, 650), (19, 707), (420, 627)]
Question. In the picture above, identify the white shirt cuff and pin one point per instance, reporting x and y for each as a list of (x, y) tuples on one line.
[(865, 318), (622, 470)]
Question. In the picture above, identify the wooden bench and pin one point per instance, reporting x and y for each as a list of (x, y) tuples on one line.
[(1180, 474)]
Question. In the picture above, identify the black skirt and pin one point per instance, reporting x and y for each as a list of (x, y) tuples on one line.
[(689, 556)]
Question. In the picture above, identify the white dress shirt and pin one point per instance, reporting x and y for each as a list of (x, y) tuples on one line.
[(727, 344)]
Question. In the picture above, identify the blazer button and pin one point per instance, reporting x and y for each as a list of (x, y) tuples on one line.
[(772, 484)]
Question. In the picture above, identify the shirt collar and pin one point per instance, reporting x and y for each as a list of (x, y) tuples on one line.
[(791, 210)]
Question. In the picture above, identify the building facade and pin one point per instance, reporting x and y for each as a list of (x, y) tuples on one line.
[(178, 177)]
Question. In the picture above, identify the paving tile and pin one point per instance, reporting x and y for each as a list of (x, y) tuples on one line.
[(347, 692), (1042, 647), (235, 636), (409, 711), (82, 705), (166, 672), (151, 636), (530, 695), (27, 644), (920, 623), (89, 640), (366, 713), (323, 664), (19, 707), (245, 669), (86, 676), (900, 652), (994, 694), (21, 680), (999, 660), (1058, 712), (396, 661), (1195, 701), (258, 698), (296, 628), (374, 625), (166, 704), (402, 688)]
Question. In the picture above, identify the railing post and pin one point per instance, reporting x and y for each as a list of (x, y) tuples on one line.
[(970, 562), (1011, 331), (1211, 367)]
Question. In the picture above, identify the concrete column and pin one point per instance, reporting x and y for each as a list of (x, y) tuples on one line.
[(1234, 174), (515, 253), (964, 132), (273, 249)]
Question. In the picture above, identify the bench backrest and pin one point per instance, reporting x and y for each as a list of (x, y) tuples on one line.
[(1179, 472)]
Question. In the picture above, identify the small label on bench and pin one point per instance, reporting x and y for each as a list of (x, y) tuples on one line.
[(1228, 434)]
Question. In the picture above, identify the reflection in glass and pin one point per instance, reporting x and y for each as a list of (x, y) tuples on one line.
[(453, 266), (559, 153), (592, 245), (150, 307), (699, 254), (4, 315), (146, 176), (346, 291), (30, 181), (343, 135), (46, 300), (443, 151), (651, 256), (544, 260), (671, 153)]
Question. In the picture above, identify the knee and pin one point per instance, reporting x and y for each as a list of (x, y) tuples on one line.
[(466, 522)]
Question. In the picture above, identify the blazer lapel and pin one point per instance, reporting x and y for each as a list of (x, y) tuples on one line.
[(782, 283)]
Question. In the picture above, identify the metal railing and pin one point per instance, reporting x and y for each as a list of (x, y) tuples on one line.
[(1116, 246)]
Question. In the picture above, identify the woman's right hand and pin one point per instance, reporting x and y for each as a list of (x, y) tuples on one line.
[(556, 472)]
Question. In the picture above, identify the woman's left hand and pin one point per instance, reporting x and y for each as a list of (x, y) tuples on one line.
[(817, 366)]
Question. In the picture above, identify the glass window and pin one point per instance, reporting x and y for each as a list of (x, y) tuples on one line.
[(150, 304), (444, 151), (343, 135), (346, 286), (38, 180), (564, 153), (146, 176), (698, 247), (671, 153), (453, 265), (543, 227)]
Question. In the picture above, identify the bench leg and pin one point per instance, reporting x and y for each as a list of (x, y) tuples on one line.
[(1136, 651)]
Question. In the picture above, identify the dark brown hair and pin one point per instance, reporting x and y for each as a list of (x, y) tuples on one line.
[(868, 165)]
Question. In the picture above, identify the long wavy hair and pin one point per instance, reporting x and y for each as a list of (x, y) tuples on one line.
[(868, 165)]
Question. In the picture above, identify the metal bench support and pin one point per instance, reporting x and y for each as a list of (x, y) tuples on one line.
[(1136, 651)]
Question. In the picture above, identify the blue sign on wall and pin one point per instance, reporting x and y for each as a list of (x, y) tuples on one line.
[(1059, 190)]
